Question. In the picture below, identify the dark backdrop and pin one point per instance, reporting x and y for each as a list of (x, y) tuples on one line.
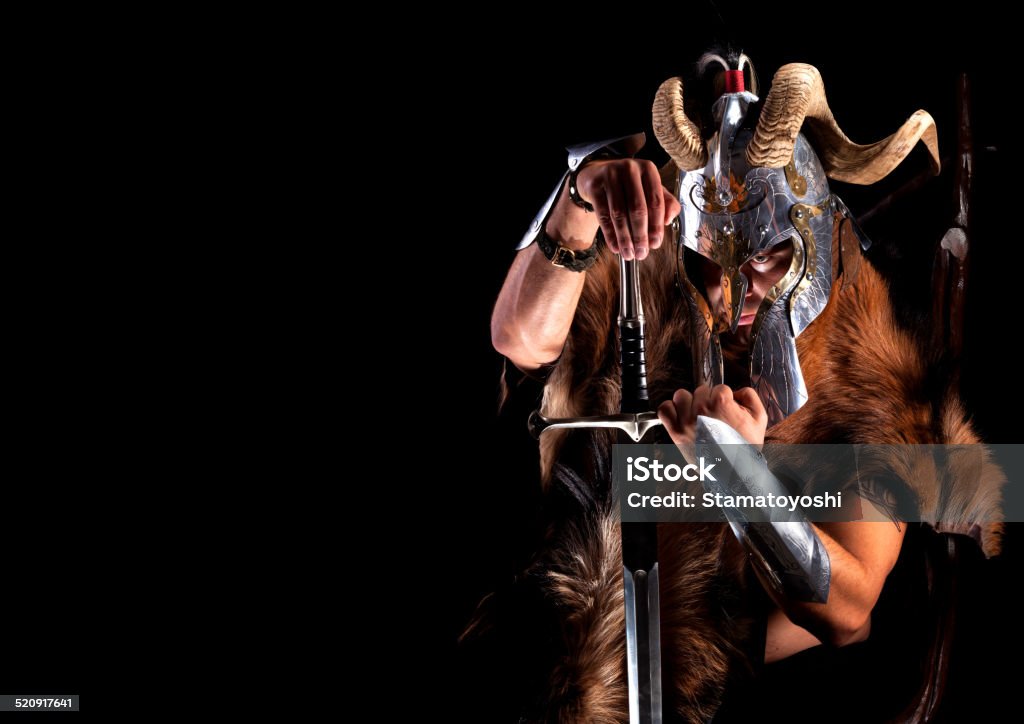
[(510, 105)]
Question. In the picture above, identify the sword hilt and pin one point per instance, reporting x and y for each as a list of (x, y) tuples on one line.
[(634, 367), (631, 340)]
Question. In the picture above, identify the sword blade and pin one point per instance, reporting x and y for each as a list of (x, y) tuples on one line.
[(643, 643)]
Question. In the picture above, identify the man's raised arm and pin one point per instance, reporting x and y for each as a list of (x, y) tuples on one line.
[(538, 300)]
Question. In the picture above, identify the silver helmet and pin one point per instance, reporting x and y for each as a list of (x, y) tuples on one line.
[(752, 188)]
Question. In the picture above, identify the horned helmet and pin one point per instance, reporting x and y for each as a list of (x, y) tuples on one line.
[(753, 187)]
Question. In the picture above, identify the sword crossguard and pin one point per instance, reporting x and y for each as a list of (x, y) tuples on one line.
[(634, 424)]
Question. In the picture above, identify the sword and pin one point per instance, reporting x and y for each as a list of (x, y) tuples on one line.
[(640, 571)]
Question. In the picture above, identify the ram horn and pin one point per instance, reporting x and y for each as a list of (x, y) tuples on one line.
[(797, 94), (676, 133)]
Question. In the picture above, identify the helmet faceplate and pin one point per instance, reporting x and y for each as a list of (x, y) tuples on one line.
[(761, 208)]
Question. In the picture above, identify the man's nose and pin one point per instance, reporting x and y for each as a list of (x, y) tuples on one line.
[(750, 282)]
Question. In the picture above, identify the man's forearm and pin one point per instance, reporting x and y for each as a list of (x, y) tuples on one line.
[(537, 303)]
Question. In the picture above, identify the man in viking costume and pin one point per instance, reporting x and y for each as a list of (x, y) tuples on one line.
[(760, 312)]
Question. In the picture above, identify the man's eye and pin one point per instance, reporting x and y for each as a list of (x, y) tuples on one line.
[(760, 259)]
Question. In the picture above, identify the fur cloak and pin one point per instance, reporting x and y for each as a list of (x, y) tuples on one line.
[(868, 382)]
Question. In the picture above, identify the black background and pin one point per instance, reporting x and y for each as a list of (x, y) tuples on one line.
[(512, 95)]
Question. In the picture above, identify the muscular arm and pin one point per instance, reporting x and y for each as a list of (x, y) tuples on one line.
[(861, 553), (537, 302)]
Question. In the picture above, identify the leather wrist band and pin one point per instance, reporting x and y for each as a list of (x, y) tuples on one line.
[(566, 258)]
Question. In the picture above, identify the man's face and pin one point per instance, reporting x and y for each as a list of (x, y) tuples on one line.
[(762, 271)]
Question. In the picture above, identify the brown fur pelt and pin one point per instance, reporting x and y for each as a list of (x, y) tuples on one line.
[(867, 381)]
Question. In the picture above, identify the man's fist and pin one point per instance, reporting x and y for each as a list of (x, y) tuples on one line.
[(742, 410), (632, 206)]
